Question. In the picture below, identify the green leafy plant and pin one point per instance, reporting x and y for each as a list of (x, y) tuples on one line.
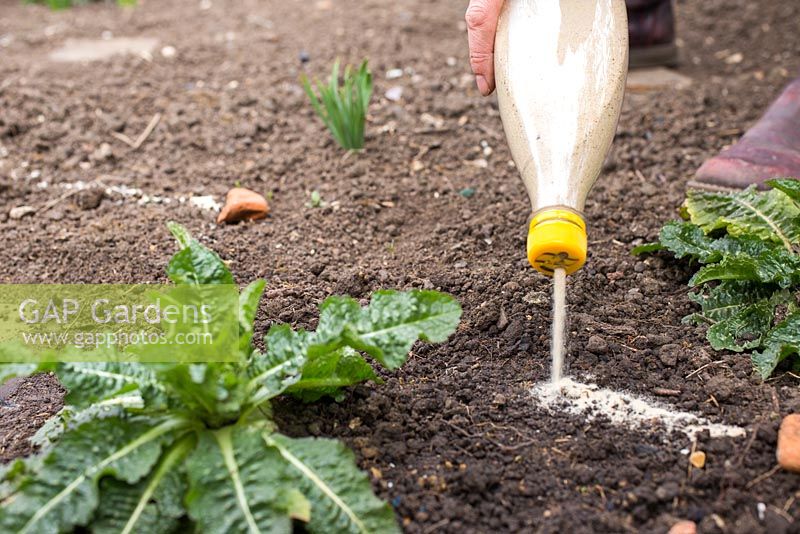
[(343, 108), (64, 4), (747, 245), (170, 447)]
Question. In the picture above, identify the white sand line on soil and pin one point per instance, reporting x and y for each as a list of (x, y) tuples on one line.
[(205, 202), (96, 49), (624, 409)]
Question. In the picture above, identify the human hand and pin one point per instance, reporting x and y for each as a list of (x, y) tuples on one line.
[(481, 20)]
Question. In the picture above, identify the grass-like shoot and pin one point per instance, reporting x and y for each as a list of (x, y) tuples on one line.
[(343, 107)]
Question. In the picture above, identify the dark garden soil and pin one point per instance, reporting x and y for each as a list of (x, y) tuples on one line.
[(453, 440)]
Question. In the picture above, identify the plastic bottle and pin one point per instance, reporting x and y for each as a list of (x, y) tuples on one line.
[(560, 67)]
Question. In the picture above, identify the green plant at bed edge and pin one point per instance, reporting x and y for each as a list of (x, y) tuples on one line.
[(170, 447), (746, 246)]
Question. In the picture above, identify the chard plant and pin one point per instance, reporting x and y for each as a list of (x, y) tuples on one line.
[(747, 246), (343, 108), (176, 447)]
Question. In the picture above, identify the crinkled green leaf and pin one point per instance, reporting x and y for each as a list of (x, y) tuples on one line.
[(769, 215), (394, 320), (790, 187), (92, 382), (647, 248), (340, 494), (338, 316), (726, 299), (11, 475), (71, 417), (214, 392), (194, 263), (685, 239), (748, 242), (747, 245), (744, 330), (239, 484), (770, 267), (780, 343), (328, 373), (248, 306), (153, 505), (272, 372), (388, 327), (62, 493)]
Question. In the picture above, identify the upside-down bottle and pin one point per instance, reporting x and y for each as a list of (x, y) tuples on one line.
[(560, 67)]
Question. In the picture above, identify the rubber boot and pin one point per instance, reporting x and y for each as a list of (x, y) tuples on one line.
[(769, 149)]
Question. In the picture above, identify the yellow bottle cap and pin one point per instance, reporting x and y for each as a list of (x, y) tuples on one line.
[(557, 239)]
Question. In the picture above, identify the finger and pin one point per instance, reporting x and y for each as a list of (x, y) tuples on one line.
[(481, 20)]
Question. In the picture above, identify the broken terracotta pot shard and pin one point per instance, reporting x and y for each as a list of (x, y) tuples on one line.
[(243, 204)]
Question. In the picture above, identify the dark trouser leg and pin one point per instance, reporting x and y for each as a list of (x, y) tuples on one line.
[(651, 29)]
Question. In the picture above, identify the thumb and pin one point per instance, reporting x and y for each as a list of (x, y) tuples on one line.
[(481, 20)]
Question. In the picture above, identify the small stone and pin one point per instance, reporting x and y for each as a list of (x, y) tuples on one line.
[(683, 527), (55, 215), (21, 211), (205, 202), (788, 452), (634, 294), (734, 59), (102, 153), (393, 74), (168, 52), (89, 199), (394, 94), (433, 121), (304, 57), (499, 400), (667, 491), (597, 345), (698, 459), (668, 354), (467, 192), (502, 319), (369, 452), (243, 204), (480, 163)]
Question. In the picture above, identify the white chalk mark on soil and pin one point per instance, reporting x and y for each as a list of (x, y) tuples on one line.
[(123, 192), (96, 49), (624, 409)]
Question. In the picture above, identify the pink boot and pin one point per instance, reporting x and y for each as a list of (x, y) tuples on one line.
[(770, 149)]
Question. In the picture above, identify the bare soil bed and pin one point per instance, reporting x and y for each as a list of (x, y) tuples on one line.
[(454, 440)]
